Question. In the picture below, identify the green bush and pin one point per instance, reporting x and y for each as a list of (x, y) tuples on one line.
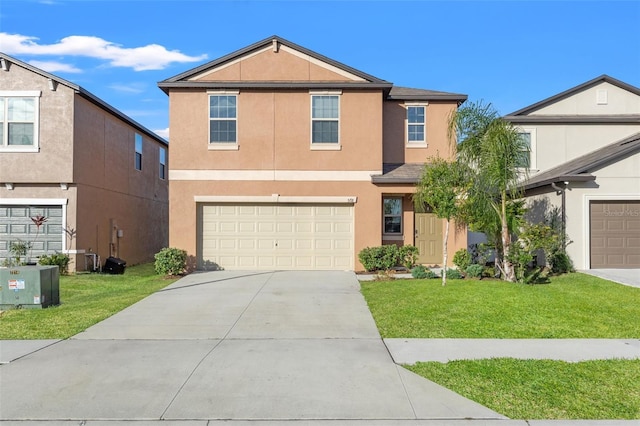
[(380, 258), (474, 271), (421, 272), (462, 259), (408, 256), (170, 261), (560, 263), (454, 274), (59, 259)]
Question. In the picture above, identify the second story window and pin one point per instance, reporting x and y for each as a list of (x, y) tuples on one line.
[(19, 121), (138, 154), (527, 157), (162, 172), (325, 119), (416, 124), (223, 119)]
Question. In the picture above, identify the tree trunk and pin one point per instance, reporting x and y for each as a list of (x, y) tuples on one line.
[(509, 273), (444, 253)]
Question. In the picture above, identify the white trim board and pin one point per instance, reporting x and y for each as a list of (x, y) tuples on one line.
[(275, 198), (274, 175)]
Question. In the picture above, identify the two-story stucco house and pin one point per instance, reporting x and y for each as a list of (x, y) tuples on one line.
[(585, 161), (285, 159), (98, 176)]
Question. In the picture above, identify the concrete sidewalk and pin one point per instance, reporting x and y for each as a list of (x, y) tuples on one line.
[(267, 346)]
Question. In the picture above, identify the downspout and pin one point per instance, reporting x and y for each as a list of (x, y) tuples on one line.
[(561, 192)]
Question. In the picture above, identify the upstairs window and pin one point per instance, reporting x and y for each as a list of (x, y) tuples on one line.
[(138, 154), (325, 119), (524, 156), (162, 155), (19, 121), (416, 124), (392, 211), (223, 117)]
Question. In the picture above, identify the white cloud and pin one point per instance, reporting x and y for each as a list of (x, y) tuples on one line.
[(163, 133), (149, 57), (52, 66), (127, 88)]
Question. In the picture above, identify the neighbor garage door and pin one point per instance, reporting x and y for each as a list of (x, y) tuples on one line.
[(276, 236), (15, 224), (615, 234)]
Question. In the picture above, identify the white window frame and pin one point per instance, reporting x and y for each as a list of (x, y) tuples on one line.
[(324, 146), (162, 163), (223, 146), (533, 166), (400, 215), (138, 149), (33, 94), (418, 143)]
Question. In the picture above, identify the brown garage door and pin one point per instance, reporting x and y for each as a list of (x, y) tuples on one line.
[(615, 234)]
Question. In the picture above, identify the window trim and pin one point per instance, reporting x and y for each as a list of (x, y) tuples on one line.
[(222, 146), (415, 144), (137, 138), (35, 95), (386, 234), (533, 166), (324, 146), (162, 163)]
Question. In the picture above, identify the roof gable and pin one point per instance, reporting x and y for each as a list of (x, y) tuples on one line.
[(273, 62), (598, 81)]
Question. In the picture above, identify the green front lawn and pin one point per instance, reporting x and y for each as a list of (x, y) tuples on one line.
[(542, 389), (571, 306), (85, 299)]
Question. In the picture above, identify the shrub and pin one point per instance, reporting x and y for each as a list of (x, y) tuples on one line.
[(474, 271), (59, 259), (408, 256), (560, 263), (171, 261), (421, 272), (380, 258), (454, 274), (19, 250), (462, 259)]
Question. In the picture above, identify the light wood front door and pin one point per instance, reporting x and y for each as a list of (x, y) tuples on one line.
[(428, 238)]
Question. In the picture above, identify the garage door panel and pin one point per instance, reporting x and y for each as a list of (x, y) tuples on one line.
[(17, 225), (291, 236), (615, 234)]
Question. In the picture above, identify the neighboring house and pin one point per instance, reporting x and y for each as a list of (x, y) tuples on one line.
[(97, 175), (285, 159), (584, 160)]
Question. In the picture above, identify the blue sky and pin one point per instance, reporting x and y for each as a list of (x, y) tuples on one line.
[(509, 53)]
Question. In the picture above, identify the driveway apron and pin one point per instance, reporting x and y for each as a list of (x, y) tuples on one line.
[(230, 345)]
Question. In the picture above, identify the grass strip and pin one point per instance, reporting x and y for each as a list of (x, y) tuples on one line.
[(543, 389), (571, 306), (85, 299)]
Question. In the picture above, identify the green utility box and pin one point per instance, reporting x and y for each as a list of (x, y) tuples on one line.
[(29, 287)]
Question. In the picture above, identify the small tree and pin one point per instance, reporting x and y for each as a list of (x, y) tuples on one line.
[(38, 221), (443, 187)]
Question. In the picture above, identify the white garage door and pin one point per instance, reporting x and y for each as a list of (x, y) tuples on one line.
[(276, 236), (16, 224)]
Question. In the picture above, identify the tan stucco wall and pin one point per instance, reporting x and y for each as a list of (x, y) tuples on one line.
[(274, 133), (53, 164), (396, 149)]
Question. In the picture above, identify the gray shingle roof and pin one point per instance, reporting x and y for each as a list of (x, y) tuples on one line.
[(409, 94), (399, 173), (580, 168)]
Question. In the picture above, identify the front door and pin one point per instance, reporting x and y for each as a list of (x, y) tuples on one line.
[(428, 238)]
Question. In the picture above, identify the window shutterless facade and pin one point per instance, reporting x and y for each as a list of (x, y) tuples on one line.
[(325, 120), (223, 119), (524, 157), (416, 124), (162, 156), (392, 216), (138, 155), (19, 115)]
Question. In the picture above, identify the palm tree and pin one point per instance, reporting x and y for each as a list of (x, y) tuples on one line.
[(493, 150)]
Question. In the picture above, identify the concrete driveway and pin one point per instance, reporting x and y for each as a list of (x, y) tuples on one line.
[(230, 345), (630, 277)]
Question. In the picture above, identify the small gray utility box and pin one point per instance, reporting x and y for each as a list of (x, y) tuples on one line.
[(29, 287)]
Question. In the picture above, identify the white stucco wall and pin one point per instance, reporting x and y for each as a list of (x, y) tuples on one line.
[(618, 101)]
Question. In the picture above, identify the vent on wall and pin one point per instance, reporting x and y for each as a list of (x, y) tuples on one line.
[(602, 97)]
